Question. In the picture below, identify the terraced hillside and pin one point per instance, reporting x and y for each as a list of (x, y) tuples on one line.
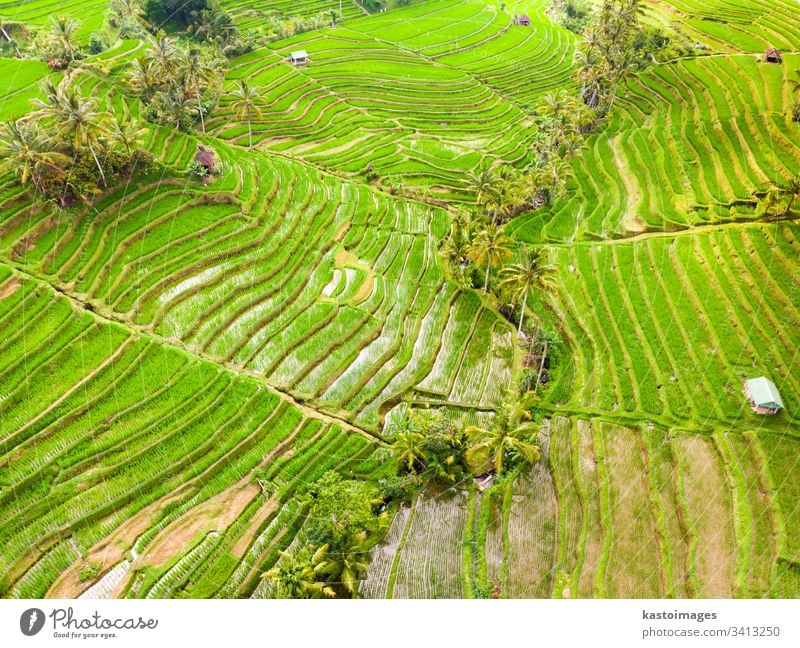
[(732, 25), (620, 511), (329, 290), (181, 360), (727, 134), (423, 94), (250, 14), (114, 442)]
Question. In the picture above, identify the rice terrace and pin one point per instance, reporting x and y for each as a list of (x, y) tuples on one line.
[(400, 299)]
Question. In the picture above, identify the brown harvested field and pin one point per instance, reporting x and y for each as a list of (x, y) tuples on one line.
[(430, 560), (9, 287), (532, 524), (593, 525), (215, 514), (710, 516), (634, 562), (382, 557), (108, 552)]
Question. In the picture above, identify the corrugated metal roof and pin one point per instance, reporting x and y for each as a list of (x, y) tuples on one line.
[(764, 392), (299, 54)]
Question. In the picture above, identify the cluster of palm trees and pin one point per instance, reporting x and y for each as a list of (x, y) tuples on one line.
[(606, 56), (436, 448), (503, 192), (476, 243), (180, 85), (48, 148), (796, 92), (311, 572)]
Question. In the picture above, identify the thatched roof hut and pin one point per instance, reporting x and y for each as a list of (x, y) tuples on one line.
[(772, 55)]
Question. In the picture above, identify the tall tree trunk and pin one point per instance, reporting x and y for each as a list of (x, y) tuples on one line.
[(541, 365), (97, 162), (200, 110), (11, 42), (486, 281), (522, 315)]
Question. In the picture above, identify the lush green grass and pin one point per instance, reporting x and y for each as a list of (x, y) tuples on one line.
[(725, 133), (423, 94)]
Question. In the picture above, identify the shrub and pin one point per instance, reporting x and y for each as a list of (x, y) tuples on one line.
[(89, 572), (98, 42)]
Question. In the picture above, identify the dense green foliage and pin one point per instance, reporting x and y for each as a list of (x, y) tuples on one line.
[(279, 378)]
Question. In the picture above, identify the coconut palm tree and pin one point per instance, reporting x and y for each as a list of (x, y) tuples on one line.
[(520, 279), (349, 564), (246, 102), (126, 131), (490, 248), (75, 118), (792, 187), (163, 55), (62, 35), (510, 434), (143, 76), (296, 576), (408, 449), (196, 76), (26, 150), (484, 184)]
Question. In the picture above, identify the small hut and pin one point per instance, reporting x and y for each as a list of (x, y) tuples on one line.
[(300, 57), (763, 395), (524, 20), (205, 158), (772, 55)]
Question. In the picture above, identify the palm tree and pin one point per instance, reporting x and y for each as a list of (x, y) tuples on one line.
[(245, 103), (520, 279), (510, 433), (792, 187), (296, 575), (62, 35), (348, 565), (163, 55), (126, 131), (490, 248), (408, 449), (196, 75), (143, 76), (75, 118), (484, 184), (26, 150)]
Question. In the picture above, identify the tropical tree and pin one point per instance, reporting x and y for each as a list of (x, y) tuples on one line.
[(408, 449), (196, 75), (511, 435), (25, 149), (126, 132), (490, 248), (298, 575), (792, 188), (520, 279), (144, 77), (61, 36), (484, 184), (163, 55), (75, 118), (349, 564), (245, 103)]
